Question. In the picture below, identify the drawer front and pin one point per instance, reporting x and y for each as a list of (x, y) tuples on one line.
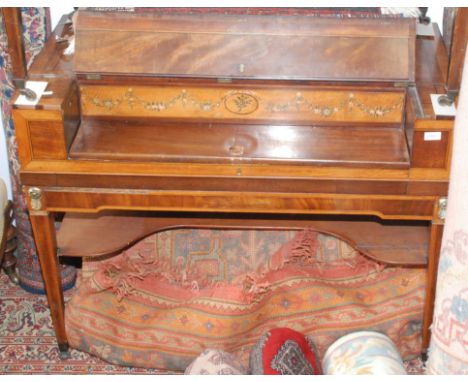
[(432, 144), (47, 140), (430, 149), (47, 131)]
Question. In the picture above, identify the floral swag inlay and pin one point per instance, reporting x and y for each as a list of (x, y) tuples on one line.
[(300, 103), (241, 102)]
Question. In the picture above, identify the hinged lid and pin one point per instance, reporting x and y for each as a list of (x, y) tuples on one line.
[(245, 47)]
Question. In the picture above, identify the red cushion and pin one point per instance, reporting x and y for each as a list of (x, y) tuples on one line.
[(283, 351)]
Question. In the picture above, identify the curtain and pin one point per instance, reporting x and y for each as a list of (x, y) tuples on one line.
[(448, 353), (36, 28)]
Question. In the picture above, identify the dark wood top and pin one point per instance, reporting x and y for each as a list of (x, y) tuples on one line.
[(247, 46)]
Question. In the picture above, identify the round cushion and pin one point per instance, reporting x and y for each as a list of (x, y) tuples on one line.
[(283, 351), (363, 352)]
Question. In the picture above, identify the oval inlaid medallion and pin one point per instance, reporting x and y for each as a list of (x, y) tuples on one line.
[(241, 103)]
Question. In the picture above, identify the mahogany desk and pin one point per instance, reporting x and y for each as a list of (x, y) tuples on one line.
[(385, 195)]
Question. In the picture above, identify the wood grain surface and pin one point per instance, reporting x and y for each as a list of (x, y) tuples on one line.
[(237, 121), (245, 47), (138, 140), (100, 199)]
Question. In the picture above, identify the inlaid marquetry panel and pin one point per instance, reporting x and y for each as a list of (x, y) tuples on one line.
[(293, 105)]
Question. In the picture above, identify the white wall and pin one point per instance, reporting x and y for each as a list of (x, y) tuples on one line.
[(57, 11), (435, 13)]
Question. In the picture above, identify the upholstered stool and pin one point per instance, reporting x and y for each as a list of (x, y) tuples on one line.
[(363, 352)]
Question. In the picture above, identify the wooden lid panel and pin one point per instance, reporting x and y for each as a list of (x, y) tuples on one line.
[(249, 47), (242, 24)]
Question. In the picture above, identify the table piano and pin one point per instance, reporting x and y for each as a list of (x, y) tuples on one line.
[(161, 121)]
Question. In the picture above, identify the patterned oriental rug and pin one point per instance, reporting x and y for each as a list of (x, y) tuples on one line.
[(27, 339), (176, 293), (203, 269)]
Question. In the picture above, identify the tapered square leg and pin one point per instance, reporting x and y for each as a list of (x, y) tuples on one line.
[(44, 235), (431, 283)]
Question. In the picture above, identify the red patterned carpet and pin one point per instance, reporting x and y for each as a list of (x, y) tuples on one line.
[(27, 341)]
